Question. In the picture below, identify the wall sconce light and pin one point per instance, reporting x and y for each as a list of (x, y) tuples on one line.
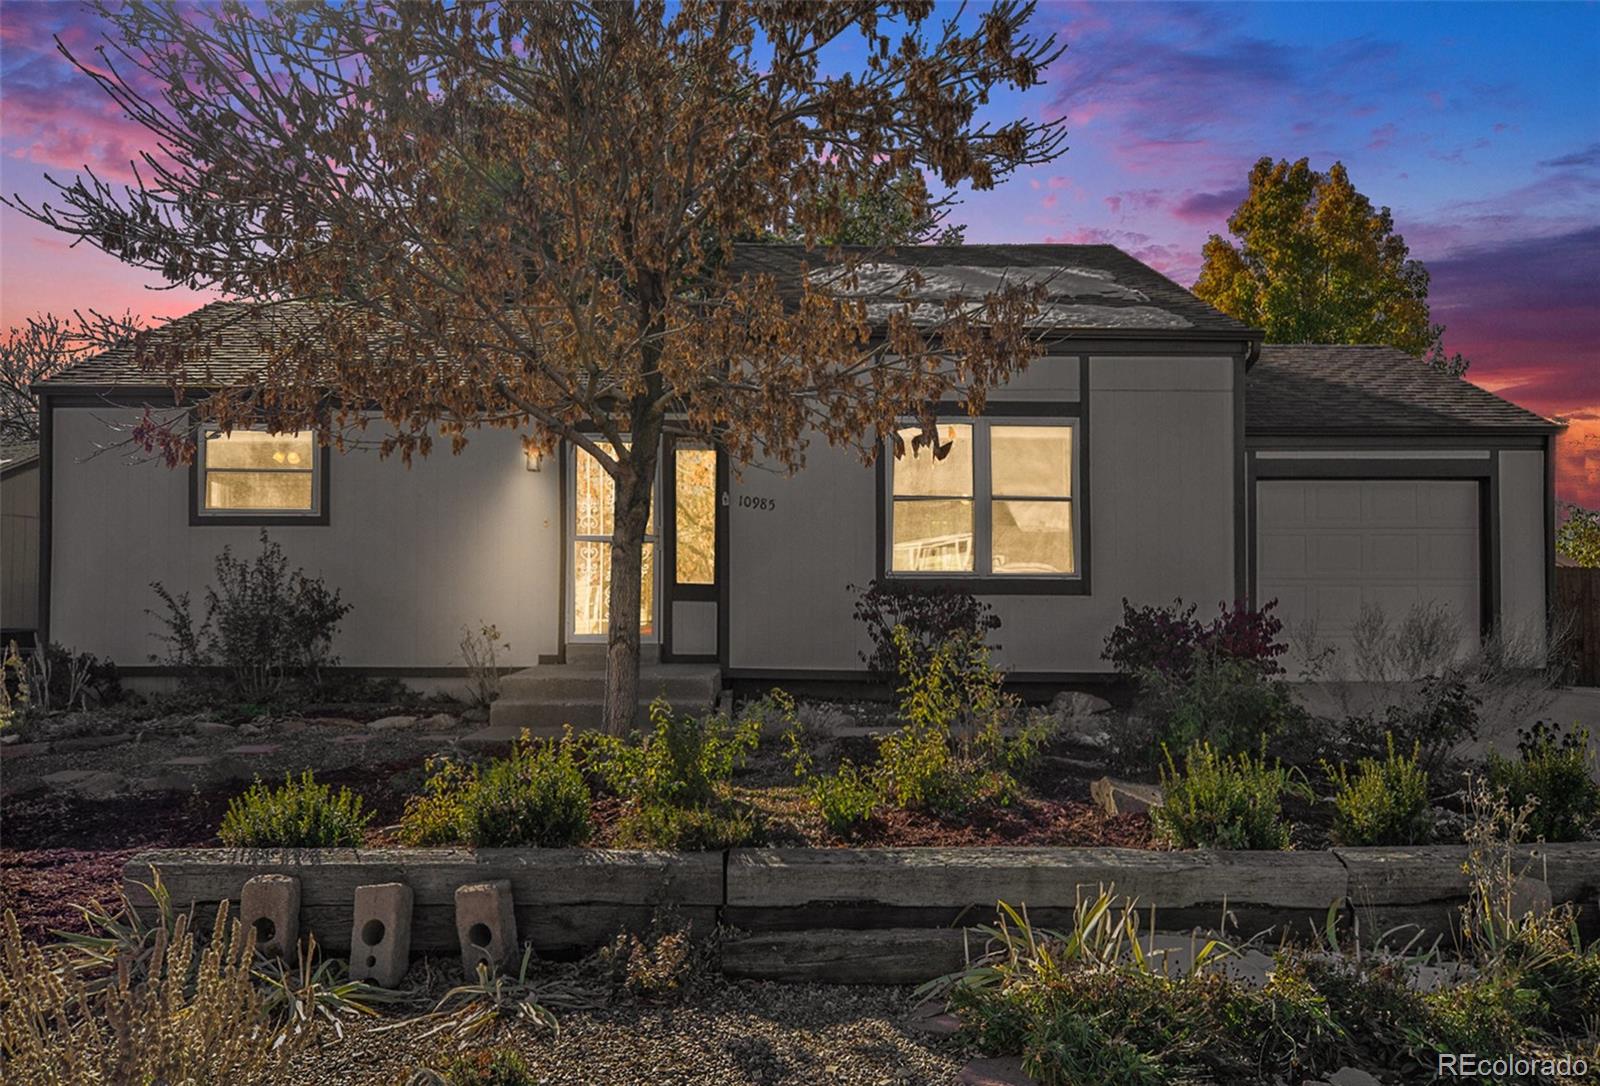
[(533, 459)]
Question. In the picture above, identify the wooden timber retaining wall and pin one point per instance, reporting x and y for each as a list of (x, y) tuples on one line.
[(913, 899)]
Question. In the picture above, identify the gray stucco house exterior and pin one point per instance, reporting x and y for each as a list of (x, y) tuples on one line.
[(1158, 449)]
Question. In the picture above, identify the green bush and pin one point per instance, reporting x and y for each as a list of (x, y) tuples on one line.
[(537, 797), (300, 814), (489, 1067), (1222, 801), (1385, 803), (718, 825), (1436, 717), (680, 761), (845, 799), (1555, 771), (675, 777), (1223, 701)]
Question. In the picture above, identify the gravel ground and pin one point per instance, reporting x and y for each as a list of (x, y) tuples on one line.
[(733, 1033)]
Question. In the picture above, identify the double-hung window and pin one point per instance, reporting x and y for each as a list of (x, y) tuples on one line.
[(253, 473), (994, 501)]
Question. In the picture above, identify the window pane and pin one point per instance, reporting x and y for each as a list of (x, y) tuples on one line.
[(1031, 461), (931, 536), (595, 496), (917, 474), (254, 449), (697, 516), (259, 490), (591, 588), (1032, 537)]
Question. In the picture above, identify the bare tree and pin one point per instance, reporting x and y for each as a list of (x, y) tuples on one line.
[(45, 346), (524, 215)]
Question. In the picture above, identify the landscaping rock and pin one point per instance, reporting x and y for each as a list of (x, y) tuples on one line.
[(391, 723), (478, 714), (254, 750), (161, 782), (1075, 703), (91, 742), (1116, 797), (23, 750), (1352, 1076), (996, 1071), (932, 1018), (85, 782), (212, 727), (439, 721)]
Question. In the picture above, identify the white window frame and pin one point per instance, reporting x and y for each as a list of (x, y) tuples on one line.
[(983, 499), (203, 471)]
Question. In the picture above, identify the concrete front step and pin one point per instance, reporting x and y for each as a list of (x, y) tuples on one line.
[(690, 684), (507, 718)]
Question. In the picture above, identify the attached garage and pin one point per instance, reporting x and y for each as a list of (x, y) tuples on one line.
[(1375, 482), (1328, 548)]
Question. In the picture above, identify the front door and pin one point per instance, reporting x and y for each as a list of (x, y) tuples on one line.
[(589, 557)]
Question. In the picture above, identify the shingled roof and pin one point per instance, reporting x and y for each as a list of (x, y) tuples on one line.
[(1322, 388), (1088, 288)]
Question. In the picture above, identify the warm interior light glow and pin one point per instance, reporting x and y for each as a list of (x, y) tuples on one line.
[(249, 471)]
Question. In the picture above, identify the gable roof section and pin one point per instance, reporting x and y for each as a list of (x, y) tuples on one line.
[(1091, 289), (1299, 388), (19, 455)]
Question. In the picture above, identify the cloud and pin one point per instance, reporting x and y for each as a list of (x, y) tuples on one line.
[(1588, 156), (1210, 207)]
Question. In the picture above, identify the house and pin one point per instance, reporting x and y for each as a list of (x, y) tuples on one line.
[(19, 541), (1158, 449)]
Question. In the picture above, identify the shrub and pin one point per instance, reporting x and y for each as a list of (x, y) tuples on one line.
[(1169, 640), (710, 828), (480, 652), (537, 797), (1555, 773), (675, 777), (59, 678), (931, 616), (658, 965), (1435, 719), (1578, 538), (1226, 702), (300, 814), (1386, 803), (846, 799), (193, 1015), (489, 1067), (1222, 801), (261, 625)]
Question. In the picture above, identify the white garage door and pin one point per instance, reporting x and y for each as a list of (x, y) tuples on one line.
[(1326, 548)]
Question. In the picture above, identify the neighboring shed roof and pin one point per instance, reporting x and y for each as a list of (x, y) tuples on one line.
[(18, 455), (1322, 388), (1090, 288)]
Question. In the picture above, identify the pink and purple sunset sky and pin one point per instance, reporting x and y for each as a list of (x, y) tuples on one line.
[(1478, 124)]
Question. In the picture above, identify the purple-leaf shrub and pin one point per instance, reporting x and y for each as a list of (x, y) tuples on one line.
[(1167, 639)]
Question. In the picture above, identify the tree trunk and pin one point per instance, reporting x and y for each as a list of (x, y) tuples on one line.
[(634, 486)]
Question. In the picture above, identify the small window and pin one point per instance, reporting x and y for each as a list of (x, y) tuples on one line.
[(250, 471), (991, 499)]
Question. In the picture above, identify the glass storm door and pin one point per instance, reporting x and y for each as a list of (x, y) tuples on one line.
[(695, 524), (589, 582)]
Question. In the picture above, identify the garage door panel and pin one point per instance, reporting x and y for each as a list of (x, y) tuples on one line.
[(1393, 555), (1335, 553), (1328, 548), (1332, 503), (1282, 553), (1392, 505)]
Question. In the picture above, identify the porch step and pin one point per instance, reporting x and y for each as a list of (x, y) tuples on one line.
[(692, 685), (546, 698)]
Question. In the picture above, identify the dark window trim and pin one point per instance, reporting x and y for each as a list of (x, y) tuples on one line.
[(198, 518), (673, 592), (1016, 584), (1486, 470)]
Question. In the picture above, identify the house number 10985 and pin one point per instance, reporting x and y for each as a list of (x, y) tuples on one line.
[(749, 501)]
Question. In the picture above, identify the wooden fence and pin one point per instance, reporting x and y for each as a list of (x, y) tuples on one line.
[(1578, 597)]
